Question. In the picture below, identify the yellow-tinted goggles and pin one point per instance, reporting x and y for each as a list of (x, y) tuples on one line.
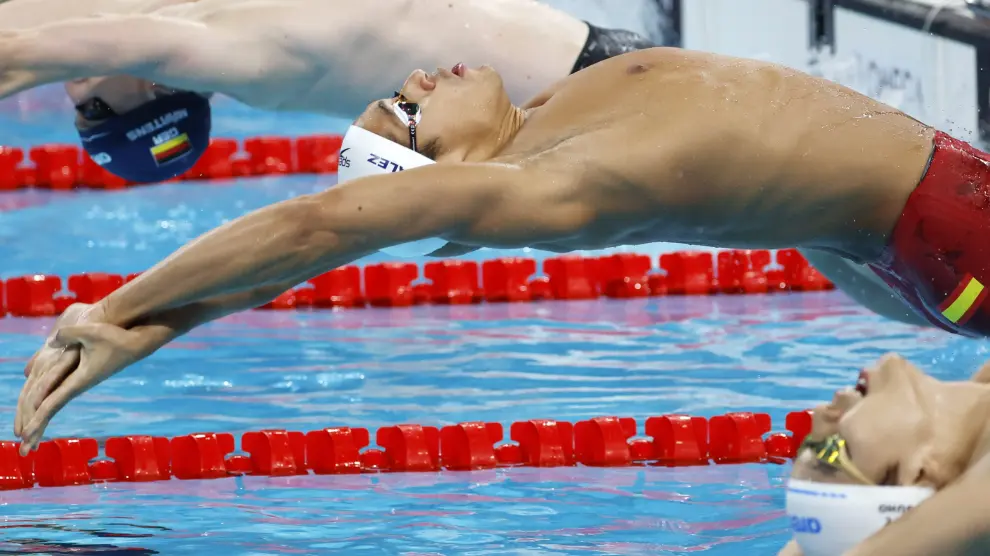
[(832, 451)]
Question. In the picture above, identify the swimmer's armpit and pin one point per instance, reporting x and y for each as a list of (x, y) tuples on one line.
[(453, 250), (542, 98), (470, 205), (183, 54)]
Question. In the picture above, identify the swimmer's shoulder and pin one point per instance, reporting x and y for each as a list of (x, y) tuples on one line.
[(642, 66), (542, 98), (633, 63), (666, 62), (659, 57)]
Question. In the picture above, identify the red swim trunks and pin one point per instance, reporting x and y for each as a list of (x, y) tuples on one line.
[(938, 257)]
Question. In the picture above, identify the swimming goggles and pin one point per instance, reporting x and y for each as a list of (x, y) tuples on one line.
[(96, 109), (832, 451), (409, 113)]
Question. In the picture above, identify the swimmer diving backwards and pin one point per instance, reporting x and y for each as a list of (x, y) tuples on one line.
[(656, 145)]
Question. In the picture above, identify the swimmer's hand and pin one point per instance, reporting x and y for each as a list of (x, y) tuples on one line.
[(50, 359), (93, 352)]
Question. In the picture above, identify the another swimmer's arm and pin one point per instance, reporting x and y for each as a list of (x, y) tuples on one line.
[(184, 54), (24, 14), (292, 241)]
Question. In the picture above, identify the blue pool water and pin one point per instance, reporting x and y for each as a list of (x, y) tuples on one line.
[(428, 365)]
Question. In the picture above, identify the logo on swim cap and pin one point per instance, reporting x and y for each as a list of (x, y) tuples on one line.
[(368, 154), (101, 159), (154, 142), (364, 154), (157, 123), (170, 146)]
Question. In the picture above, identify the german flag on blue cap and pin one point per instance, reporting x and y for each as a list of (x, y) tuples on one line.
[(154, 142), (172, 149)]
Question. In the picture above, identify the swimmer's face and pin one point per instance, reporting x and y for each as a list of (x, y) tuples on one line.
[(460, 108), (901, 426), (99, 98)]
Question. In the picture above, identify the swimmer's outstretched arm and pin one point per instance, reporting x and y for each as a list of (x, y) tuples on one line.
[(185, 54), (290, 242)]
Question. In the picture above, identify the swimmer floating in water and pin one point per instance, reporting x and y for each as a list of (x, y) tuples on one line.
[(656, 145), (150, 121), (898, 465)]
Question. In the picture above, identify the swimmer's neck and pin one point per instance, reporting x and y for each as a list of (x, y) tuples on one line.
[(491, 144)]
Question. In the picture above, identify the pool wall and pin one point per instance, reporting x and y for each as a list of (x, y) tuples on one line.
[(929, 58)]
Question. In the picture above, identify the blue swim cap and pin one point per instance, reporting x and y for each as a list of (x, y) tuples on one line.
[(154, 142)]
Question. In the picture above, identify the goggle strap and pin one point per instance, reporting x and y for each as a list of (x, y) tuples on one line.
[(411, 120)]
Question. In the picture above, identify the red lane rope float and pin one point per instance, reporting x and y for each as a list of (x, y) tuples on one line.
[(67, 167), (455, 282), (670, 441)]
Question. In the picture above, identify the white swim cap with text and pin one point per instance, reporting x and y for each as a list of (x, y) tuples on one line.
[(829, 519), (365, 154)]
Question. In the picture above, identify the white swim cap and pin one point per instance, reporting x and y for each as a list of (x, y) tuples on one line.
[(829, 519), (365, 154)]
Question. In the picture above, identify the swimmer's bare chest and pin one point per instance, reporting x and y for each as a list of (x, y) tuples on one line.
[(684, 147), (630, 153)]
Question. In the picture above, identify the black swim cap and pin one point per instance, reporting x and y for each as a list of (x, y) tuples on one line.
[(154, 142)]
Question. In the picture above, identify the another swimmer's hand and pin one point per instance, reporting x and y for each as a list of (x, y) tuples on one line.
[(99, 351)]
